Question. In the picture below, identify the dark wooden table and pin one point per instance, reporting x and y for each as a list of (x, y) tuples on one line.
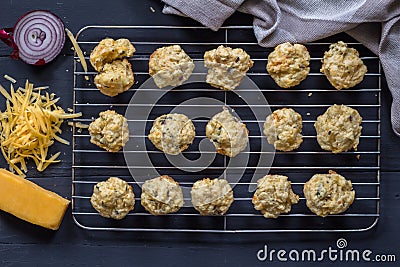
[(22, 244)]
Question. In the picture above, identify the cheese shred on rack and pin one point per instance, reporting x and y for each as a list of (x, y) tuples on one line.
[(29, 126)]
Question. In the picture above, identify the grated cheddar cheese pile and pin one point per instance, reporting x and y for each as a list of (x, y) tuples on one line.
[(29, 125)]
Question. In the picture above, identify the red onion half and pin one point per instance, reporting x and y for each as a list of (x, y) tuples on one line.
[(39, 36)]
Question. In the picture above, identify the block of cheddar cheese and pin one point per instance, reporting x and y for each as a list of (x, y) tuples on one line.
[(30, 202)]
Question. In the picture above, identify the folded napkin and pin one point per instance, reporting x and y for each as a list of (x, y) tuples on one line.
[(374, 23)]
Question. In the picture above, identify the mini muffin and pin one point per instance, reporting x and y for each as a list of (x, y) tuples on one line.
[(328, 194), (338, 129), (109, 50), (115, 78), (212, 197), (343, 66), (109, 131), (226, 67), (289, 64), (161, 195), (113, 198), (228, 134), (274, 196), (170, 65), (283, 129), (172, 133)]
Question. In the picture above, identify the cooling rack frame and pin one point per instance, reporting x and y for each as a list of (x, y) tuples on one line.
[(222, 225)]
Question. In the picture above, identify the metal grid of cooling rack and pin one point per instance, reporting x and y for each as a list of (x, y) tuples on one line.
[(310, 99)]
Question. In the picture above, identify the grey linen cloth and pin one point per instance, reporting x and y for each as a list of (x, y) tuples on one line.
[(374, 23)]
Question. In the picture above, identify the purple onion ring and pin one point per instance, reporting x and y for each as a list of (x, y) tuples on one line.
[(39, 36)]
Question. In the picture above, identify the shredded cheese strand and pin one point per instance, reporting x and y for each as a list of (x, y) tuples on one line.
[(78, 125), (5, 93), (77, 49)]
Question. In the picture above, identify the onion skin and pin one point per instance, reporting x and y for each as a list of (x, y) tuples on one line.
[(6, 37), (39, 36)]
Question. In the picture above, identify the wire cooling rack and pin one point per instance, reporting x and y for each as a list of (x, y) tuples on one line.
[(311, 98)]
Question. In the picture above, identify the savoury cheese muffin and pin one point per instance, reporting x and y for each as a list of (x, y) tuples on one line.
[(338, 129), (226, 67), (170, 65), (211, 197), (228, 134), (115, 78), (109, 131), (161, 195), (172, 133), (283, 129), (289, 64), (113, 198), (328, 194), (109, 50), (274, 196), (343, 66)]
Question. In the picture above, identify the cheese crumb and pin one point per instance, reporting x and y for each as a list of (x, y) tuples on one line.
[(11, 79)]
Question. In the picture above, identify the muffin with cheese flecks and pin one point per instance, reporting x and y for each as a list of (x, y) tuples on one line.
[(172, 133), (113, 198), (212, 196), (109, 50), (170, 65), (328, 194), (283, 129), (115, 78), (289, 64), (226, 66), (343, 66), (109, 131), (274, 196), (161, 195), (339, 129), (228, 134)]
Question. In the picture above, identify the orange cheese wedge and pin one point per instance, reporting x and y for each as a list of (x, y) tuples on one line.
[(31, 202)]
